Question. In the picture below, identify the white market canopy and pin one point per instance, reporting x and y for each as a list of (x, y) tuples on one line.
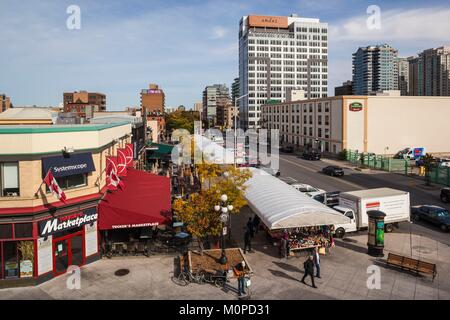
[(281, 206)]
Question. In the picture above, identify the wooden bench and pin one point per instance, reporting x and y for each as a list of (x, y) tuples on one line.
[(412, 265)]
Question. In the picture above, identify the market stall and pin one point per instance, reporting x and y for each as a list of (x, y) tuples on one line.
[(304, 222)]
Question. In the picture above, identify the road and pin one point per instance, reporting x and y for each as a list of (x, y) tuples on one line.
[(309, 172)]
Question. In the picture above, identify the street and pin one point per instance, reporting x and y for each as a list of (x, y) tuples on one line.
[(309, 172)]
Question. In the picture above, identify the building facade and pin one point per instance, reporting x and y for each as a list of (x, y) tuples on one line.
[(364, 123), (374, 69), (153, 102), (345, 90), (403, 75), (40, 236), (5, 103), (279, 53), (235, 92), (84, 103), (215, 96), (430, 72)]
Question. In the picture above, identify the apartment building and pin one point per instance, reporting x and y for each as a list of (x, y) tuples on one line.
[(430, 72), (235, 92), (40, 236), (226, 116), (84, 103), (364, 123), (214, 96), (375, 69), (277, 53), (153, 103), (5, 103), (403, 75)]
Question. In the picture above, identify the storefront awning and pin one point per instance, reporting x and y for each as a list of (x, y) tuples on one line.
[(281, 206), (68, 165), (144, 202)]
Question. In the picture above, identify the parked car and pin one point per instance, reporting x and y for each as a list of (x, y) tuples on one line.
[(287, 149), (306, 188), (311, 155), (444, 163), (329, 199), (432, 214), (334, 171), (445, 195)]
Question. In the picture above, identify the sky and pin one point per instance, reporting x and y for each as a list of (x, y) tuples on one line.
[(122, 46)]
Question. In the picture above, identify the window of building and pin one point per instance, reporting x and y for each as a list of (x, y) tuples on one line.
[(10, 261), (23, 230), (319, 107), (327, 120), (310, 131), (6, 231), (71, 182), (320, 120), (9, 179)]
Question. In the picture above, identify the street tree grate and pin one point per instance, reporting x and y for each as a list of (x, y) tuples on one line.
[(121, 272)]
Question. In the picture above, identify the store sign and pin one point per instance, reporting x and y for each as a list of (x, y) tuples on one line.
[(355, 106), (72, 164), (134, 225), (58, 224), (268, 21)]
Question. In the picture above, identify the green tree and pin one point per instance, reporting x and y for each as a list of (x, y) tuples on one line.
[(181, 120), (198, 213)]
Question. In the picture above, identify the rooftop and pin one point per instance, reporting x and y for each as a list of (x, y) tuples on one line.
[(21, 129), (34, 113)]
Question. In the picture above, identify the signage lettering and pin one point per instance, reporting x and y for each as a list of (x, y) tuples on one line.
[(355, 106), (58, 224)]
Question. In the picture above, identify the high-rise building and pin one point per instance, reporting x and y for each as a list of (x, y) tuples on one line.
[(5, 103), (413, 86), (277, 54), (374, 69), (430, 72), (235, 92), (403, 75), (84, 103), (153, 102), (213, 97), (345, 90)]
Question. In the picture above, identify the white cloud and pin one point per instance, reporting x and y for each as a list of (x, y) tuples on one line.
[(397, 25), (219, 32)]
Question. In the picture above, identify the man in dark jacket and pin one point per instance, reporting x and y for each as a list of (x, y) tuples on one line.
[(247, 243), (256, 222), (309, 270), (250, 227)]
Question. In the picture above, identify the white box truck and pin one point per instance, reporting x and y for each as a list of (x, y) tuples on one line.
[(355, 204)]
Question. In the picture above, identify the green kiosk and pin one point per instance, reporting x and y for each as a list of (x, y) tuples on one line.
[(375, 241)]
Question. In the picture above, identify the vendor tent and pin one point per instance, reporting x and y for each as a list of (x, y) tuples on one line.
[(281, 206)]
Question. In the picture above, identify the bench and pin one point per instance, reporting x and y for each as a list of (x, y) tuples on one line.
[(413, 265)]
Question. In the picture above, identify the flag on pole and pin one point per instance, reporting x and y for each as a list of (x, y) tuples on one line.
[(122, 162), (52, 184), (129, 154), (112, 179)]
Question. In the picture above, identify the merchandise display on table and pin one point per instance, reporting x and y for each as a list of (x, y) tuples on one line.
[(306, 237)]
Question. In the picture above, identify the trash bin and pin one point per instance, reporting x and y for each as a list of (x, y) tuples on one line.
[(375, 241)]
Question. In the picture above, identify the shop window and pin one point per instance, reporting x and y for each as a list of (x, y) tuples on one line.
[(10, 264), (9, 179), (23, 230), (1, 261), (6, 231)]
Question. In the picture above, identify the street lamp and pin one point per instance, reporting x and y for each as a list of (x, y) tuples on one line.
[(224, 208)]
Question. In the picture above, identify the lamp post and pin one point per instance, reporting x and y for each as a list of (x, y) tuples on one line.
[(224, 208)]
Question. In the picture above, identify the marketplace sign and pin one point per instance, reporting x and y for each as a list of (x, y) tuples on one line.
[(58, 224), (355, 106)]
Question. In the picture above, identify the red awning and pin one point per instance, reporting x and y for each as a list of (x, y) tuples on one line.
[(145, 202)]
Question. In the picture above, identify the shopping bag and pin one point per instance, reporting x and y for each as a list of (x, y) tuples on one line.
[(322, 250), (248, 282)]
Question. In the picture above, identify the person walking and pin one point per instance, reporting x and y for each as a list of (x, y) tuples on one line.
[(256, 222), (309, 270), (283, 247), (239, 271), (317, 261), (247, 242), (250, 227)]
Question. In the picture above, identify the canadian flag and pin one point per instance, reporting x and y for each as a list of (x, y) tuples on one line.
[(129, 154), (112, 179), (122, 162), (51, 183)]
